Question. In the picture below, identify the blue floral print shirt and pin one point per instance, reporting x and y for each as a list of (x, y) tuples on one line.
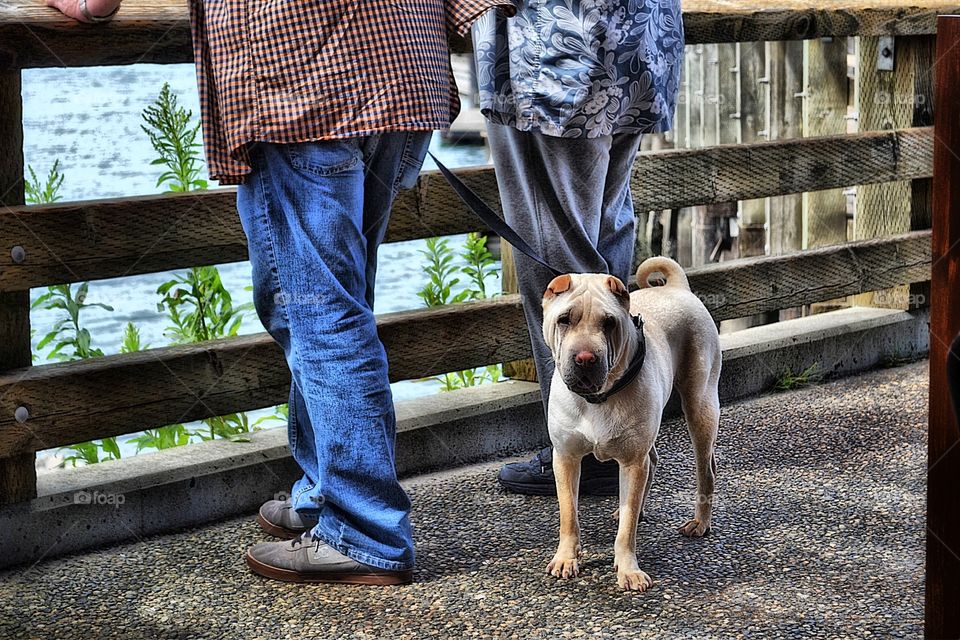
[(581, 68)]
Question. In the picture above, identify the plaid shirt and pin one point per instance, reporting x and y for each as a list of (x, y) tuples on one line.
[(299, 70)]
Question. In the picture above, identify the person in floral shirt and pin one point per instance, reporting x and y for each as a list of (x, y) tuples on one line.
[(568, 88)]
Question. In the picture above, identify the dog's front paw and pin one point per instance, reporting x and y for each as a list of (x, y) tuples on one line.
[(562, 567), (694, 529), (634, 580)]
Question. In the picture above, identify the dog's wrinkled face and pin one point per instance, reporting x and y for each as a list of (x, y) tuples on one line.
[(584, 319)]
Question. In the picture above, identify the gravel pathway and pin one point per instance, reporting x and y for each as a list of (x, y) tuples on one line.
[(818, 532)]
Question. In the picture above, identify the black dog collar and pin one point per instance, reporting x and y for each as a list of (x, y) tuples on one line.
[(628, 376)]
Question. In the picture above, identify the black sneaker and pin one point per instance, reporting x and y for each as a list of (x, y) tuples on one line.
[(535, 477)]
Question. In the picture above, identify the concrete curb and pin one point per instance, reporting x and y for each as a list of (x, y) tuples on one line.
[(177, 488)]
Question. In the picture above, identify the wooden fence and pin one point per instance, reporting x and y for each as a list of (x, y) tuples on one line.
[(52, 405)]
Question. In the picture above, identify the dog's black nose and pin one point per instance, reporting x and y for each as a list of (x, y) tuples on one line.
[(585, 358)]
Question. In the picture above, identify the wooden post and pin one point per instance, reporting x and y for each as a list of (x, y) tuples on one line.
[(942, 615), (785, 213), (18, 475), (824, 113), (753, 128), (785, 69), (518, 369), (886, 98)]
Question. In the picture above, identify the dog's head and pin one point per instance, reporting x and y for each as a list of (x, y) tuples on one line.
[(585, 317)]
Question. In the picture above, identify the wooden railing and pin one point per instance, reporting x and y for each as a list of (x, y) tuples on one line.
[(52, 405)]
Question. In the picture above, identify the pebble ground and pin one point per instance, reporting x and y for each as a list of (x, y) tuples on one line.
[(818, 532)]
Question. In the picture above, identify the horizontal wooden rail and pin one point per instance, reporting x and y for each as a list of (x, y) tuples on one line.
[(78, 401), (73, 242), (158, 31)]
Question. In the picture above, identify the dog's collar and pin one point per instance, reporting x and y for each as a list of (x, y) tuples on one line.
[(629, 375)]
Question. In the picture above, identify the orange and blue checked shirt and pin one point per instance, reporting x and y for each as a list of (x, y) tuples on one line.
[(299, 70)]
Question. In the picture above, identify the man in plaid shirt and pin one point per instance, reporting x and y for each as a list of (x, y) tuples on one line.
[(321, 110)]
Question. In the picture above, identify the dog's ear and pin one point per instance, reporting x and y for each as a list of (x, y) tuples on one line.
[(619, 290), (557, 286)]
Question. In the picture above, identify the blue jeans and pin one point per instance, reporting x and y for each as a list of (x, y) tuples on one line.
[(314, 214)]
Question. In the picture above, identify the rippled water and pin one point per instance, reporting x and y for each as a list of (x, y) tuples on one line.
[(90, 120)]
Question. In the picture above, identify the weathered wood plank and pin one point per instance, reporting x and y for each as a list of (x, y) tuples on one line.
[(18, 474), (96, 398), (73, 242), (941, 615), (158, 31), (749, 286), (77, 401)]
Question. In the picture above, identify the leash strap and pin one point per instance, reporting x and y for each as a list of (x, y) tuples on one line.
[(489, 217), (483, 211)]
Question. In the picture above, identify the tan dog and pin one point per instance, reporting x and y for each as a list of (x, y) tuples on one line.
[(588, 326)]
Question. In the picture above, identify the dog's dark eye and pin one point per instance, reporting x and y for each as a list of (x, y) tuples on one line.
[(609, 324), (563, 320)]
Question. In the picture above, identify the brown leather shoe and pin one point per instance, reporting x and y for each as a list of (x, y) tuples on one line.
[(278, 518), (309, 559)]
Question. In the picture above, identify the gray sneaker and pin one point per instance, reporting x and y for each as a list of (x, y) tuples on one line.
[(309, 559), (278, 518)]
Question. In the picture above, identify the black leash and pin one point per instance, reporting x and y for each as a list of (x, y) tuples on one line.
[(489, 217)]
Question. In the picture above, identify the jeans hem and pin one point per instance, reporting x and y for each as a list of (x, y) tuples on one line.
[(359, 556)]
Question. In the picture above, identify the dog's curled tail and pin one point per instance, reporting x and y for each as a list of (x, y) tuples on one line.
[(669, 268)]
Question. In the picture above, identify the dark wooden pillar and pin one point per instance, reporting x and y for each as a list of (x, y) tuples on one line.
[(18, 477), (943, 466)]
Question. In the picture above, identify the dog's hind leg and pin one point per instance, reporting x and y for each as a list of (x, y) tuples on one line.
[(633, 485), (566, 471), (703, 421)]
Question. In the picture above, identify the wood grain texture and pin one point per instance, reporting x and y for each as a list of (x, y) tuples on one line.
[(158, 31), (824, 113), (942, 615), (18, 475), (754, 90), (885, 103), (785, 70), (77, 401), (74, 242)]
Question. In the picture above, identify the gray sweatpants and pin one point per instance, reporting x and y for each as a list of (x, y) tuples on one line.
[(569, 198)]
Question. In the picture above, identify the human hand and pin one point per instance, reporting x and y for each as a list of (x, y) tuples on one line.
[(71, 8)]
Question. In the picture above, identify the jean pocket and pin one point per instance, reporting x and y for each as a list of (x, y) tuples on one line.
[(414, 151), (325, 157)]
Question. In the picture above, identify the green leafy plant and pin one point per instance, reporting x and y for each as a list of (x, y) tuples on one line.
[(443, 275), (788, 380), (37, 192), (72, 341), (174, 138), (480, 264), (200, 307)]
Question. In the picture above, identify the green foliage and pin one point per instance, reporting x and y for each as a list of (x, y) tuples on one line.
[(72, 341), (175, 140), (480, 264), (174, 435), (441, 289), (200, 307), (92, 452), (131, 340), (788, 380), (442, 272), (37, 192)]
